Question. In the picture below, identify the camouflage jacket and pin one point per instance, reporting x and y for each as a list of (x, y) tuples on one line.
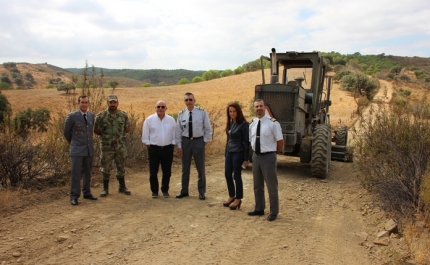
[(113, 129)]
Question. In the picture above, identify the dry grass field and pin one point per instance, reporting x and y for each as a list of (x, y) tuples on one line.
[(331, 221)]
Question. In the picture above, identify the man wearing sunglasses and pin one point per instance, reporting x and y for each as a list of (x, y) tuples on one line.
[(193, 130), (158, 134)]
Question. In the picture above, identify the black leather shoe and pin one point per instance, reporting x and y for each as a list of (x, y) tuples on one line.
[(74, 202), (255, 213), (182, 195), (90, 197), (271, 217), (202, 197), (166, 194)]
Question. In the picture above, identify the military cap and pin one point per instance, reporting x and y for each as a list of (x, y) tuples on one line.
[(112, 97)]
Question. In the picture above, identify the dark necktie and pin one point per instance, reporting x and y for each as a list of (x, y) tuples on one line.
[(85, 117), (257, 140), (190, 127)]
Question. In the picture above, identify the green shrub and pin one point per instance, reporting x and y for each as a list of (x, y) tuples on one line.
[(338, 76), (5, 79), (5, 86), (183, 81), (197, 79), (226, 72), (147, 85), (29, 119), (49, 86), (65, 87), (211, 74), (405, 78), (419, 74), (238, 70), (5, 110), (396, 70)]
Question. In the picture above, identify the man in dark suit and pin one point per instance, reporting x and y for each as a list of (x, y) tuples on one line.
[(78, 131)]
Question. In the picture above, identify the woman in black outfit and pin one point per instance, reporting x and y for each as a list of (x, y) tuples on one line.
[(236, 154)]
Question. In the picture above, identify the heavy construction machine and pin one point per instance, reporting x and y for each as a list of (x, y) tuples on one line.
[(303, 112)]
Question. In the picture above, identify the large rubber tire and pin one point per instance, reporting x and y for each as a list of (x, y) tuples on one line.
[(321, 151), (342, 135)]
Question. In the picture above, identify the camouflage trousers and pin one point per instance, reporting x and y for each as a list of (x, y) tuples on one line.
[(106, 159)]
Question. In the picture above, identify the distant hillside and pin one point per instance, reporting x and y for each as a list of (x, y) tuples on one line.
[(153, 76), (26, 75), (43, 74)]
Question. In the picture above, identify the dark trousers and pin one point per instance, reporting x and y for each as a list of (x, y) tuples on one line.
[(193, 149), (233, 171), (160, 155), (81, 168)]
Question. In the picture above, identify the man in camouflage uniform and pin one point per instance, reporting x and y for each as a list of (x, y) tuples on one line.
[(112, 125)]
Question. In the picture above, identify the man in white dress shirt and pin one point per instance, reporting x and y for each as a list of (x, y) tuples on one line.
[(265, 135), (158, 135)]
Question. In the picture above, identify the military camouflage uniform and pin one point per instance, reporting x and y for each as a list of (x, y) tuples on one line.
[(113, 129)]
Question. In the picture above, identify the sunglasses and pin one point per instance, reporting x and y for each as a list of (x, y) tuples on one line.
[(188, 99), (161, 107)]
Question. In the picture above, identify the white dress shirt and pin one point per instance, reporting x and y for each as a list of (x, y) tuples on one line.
[(270, 134), (158, 131)]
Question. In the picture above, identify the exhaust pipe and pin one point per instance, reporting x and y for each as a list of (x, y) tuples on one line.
[(274, 78)]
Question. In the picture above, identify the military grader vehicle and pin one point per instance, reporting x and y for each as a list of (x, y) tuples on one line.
[(303, 112)]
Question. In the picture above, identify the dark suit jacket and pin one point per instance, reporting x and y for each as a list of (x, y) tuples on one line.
[(79, 134)]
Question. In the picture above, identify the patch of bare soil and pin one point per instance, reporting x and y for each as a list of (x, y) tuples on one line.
[(331, 221)]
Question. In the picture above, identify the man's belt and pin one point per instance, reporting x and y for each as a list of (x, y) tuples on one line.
[(262, 154), (159, 146), (193, 138)]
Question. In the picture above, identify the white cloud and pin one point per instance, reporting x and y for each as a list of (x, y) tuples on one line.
[(204, 35)]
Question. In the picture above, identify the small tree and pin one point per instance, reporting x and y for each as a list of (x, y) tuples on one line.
[(183, 81), (113, 84), (197, 79), (396, 70), (5, 79), (29, 119), (226, 72), (5, 110), (4, 86), (360, 86), (66, 87), (28, 76), (28, 84), (238, 70), (18, 81)]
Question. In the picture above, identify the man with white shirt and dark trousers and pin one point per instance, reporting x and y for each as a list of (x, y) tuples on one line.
[(265, 135), (193, 130), (158, 135)]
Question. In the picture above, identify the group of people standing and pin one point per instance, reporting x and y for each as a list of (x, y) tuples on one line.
[(190, 132)]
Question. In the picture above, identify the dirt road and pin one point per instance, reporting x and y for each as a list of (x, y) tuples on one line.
[(321, 222)]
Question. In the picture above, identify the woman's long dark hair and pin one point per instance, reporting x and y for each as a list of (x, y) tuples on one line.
[(239, 119)]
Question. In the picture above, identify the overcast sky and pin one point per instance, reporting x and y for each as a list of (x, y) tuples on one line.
[(205, 34)]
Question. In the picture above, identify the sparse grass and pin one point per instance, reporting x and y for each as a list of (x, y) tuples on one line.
[(418, 240)]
